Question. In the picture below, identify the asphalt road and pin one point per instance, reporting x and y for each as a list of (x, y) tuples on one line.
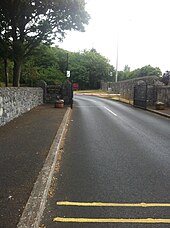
[(118, 157), (24, 145)]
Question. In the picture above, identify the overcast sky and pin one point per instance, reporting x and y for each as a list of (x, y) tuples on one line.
[(140, 28)]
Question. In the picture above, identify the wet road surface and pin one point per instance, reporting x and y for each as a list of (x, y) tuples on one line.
[(114, 169)]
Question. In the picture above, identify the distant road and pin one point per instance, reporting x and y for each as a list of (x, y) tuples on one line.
[(117, 157)]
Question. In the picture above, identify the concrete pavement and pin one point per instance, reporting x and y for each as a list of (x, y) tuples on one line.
[(25, 144), (165, 112), (28, 148)]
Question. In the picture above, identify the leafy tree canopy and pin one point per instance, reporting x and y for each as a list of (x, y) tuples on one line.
[(147, 71), (87, 68), (140, 72), (25, 24), (43, 65)]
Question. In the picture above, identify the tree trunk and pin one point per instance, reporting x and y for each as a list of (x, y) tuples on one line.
[(17, 73), (6, 72)]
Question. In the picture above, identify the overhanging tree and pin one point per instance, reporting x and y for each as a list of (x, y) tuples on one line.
[(88, 68), (43, 65), (27, 23)]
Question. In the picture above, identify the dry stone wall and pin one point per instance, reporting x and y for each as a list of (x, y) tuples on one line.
[(156, 91), (16, 101), (126, 88), (163, 95)]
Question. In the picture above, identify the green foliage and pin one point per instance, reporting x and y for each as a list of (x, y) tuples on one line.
[(43, 65), (146, 71), (9, 71), (25, 24), (88, 68), (1, 71), (62, 59), (79, 72), (140, 72)]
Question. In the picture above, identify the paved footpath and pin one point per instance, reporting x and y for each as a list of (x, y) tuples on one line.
[(24, 145)]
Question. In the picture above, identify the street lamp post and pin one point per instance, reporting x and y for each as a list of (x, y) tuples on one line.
[(117, 62)]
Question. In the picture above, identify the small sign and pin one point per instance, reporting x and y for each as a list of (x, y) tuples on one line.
[(68, 74), (75, 86)]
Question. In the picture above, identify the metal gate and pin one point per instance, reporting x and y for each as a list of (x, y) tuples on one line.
[(140, 95)]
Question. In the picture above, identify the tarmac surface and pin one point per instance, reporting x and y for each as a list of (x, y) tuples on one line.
[(165, 112), (25, 143), (24, 146)]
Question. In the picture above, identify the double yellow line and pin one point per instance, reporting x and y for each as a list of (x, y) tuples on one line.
[(100, 204), (111, 220)]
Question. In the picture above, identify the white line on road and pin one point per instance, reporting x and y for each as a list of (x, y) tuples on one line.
[(110, 111)]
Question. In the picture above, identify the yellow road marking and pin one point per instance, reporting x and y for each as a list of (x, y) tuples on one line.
[(100, 204), (110, 220)]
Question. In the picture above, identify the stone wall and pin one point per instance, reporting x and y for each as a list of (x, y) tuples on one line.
[(163, 95), (126, 88), (16, 101), (156, 91)]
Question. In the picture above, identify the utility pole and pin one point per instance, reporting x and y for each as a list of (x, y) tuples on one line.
[(117, 62), (67, 63)]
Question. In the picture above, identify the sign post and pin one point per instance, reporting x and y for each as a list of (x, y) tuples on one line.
[(68, 74)]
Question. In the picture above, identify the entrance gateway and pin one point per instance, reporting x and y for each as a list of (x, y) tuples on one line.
[(144, 95), (140, 95)]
